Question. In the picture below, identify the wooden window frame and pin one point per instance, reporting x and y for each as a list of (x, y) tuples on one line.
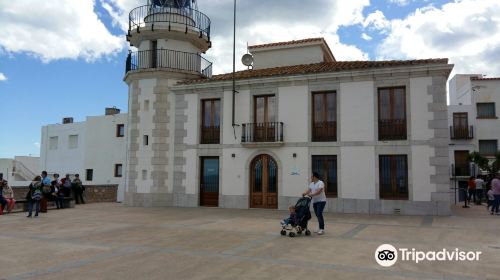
[(395, 195), (392, 113), (332, 136), (212, 129), (325, 177)]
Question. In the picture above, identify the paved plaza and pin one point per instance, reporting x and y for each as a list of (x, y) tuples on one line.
[(112, 241)]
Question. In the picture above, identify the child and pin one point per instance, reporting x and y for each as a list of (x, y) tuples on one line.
[(291, 219), (491, 198)]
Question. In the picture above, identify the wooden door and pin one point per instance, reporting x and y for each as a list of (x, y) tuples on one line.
[(264, 182), (209, 182)]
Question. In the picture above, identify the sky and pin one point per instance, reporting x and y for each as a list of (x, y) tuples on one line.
[(66, 58)]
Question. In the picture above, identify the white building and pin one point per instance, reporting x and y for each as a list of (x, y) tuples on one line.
[(376, 131), (473, 119), (20, 170), (95, 149)]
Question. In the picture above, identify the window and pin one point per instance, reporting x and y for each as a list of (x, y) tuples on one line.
[(488, 147), (326, 167), (210, 122), (53, 142), (461, 163), (144, 174), (393, 176), (89, 174), (145, 140), (120, 130), (118, 170), (486, 110), (392, 113), (146, 105), (461, 129), (324, 125), (154, 53), (73, 142)]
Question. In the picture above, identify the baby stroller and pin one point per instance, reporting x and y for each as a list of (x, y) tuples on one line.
[(302, 216)]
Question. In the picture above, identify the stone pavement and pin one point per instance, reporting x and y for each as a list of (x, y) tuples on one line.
[(112, 241)]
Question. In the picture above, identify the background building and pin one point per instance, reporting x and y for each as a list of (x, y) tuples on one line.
[(20, 170), (473, 119), (95, 149)]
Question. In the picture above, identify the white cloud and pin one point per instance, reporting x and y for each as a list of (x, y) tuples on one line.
[(366, 37), (56, 29), (465, 31), (37, 144), (2, 77), (376, 21)]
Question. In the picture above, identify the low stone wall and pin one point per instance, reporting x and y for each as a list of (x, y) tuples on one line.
[(92, 194)]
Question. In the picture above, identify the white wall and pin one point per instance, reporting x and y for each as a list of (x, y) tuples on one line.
[(420, 100), (357, 168), (291, 112), (63, 159), (103, 149), (421, 171), (357, 115), (287, 56)]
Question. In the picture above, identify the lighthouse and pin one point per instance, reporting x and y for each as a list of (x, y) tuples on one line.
[(167, 39)]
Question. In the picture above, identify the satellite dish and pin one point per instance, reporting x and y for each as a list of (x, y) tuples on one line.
[(247, 59)]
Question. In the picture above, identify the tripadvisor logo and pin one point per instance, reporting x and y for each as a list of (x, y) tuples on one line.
[(387, 255)]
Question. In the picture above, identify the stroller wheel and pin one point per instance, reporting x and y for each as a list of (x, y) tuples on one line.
[(283, 232), (308, 232), (291, 234)]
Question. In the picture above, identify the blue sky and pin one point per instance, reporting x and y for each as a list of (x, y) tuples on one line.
[(65, 58)]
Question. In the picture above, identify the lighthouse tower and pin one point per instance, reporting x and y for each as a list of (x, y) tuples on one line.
[(167, 38)]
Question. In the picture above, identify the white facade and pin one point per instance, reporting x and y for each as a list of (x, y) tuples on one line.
[(91, 148), (185, 149), (466, 92)]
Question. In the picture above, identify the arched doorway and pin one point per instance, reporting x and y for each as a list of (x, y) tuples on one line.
[(263, 182)]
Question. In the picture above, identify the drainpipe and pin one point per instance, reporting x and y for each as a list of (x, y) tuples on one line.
[(234, 71)]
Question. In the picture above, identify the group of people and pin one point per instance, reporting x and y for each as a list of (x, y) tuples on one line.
[(480, 187), (43, 190)]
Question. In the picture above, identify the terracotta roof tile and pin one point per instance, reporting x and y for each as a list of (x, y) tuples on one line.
[(294, 42), (323, 67)]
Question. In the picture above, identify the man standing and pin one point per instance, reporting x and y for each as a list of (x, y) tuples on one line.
[(495, 186), (46, 191), (316, 190)]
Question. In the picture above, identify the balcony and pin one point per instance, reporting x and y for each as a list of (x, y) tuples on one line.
[(324, 132), (461, 132), (392, 129), (269, 132), (192, 63), (210, 135), (148, 15)]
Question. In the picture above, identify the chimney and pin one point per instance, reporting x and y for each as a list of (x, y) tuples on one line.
[(67, 120), (111, 111)]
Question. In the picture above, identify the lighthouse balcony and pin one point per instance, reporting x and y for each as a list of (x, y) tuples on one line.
[(170, 60), (174, 20)]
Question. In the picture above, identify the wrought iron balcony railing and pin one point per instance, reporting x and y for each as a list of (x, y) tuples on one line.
[(392, 129), (324, 131), (169, 59), (461, 132), (210, 135), (262, 132), (148, 15)]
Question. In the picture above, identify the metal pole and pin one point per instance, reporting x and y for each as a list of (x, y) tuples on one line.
[(234, 61)]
